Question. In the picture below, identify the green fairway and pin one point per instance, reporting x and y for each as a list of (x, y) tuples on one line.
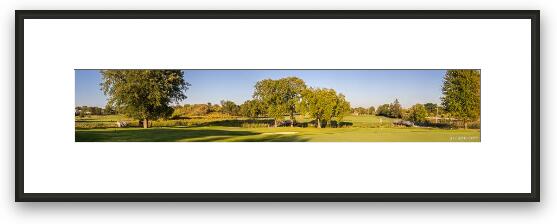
[(281, 134)]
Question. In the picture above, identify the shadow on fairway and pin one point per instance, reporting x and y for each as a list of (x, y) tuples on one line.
[(177, 134), (273, 138)]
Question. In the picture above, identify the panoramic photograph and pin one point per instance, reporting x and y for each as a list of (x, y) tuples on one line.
[(328, 105)]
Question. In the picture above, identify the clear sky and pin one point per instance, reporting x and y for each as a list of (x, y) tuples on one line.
[(361, 87)]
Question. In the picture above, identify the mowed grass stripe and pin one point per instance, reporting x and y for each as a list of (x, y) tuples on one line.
[(230, 134)]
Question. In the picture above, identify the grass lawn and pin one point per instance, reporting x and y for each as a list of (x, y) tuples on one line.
[(281, 134), (363, 128)]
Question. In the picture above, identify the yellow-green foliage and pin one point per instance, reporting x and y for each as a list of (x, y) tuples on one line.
[(461, 94), (144, 94), (416, 113)]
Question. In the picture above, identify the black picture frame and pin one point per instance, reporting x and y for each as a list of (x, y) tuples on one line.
[(533, 196)]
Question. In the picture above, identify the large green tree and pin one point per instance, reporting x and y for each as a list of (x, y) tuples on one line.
[(144, 94), (371, 110), (280, 96), (383, 110), (294, 87), (461, 94), (324, 104), (417, 113), (395, 109)]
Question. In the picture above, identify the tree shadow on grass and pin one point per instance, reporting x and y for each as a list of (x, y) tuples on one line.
[(176, 134), (273, 138), (152, 135)]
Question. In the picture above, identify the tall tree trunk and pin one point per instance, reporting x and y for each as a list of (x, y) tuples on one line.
[(276, 123), (145, 123), (291, 119), (318, 123), (465, 124)]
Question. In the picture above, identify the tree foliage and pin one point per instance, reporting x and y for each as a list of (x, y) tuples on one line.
[(362, 110), (86, 110), (188, 110), (371, 110), (461, 94), (229, 107), (395, 109), (252, 108), (324, 105), (342, 107), (280, 96), (144, 94), (359, 111), (431, 108), (417, 113), (383, 110)]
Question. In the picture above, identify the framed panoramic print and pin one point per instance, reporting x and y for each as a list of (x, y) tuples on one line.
[(277, 106)]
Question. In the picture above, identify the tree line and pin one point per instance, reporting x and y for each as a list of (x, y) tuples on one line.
[(91, 110), (280, 98), (416, 113), (148, 94)]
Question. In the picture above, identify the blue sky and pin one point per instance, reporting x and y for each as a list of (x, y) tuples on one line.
[(361, 87)]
